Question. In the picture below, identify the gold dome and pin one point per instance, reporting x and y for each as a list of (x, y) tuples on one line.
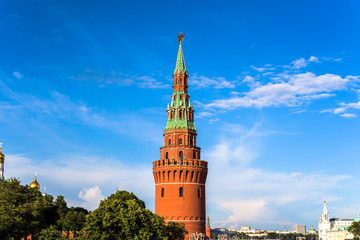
[(2, 156), (35, 184)]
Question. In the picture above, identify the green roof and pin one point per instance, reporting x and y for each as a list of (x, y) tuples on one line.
[(180, 62), (176, 122)]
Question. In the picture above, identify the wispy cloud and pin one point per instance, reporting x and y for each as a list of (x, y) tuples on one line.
[(245, 193), (215, 82), (344, 108), (302, 62), (59, 107), (107, 78), (299, 63), (348, 115), (18, 75), (293, 90), (267, 67)]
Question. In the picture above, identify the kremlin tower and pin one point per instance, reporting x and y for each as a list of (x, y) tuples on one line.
[(180, 175), (208, 229)]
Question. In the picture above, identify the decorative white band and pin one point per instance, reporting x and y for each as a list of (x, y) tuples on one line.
[(179, 183), (184, 220)]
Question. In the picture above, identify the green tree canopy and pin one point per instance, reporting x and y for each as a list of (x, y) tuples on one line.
[(123, 216), (355, 229), (24, 210)]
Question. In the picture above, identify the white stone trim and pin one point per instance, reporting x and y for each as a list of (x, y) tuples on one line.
[(180, 183)]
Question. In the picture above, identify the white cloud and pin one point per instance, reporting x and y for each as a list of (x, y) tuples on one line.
[(251, 81), (299, 63), (246, 211), (214, 120), (348, 115), (297, 175), (92, 197), (59, 107), (216, 82), (343, 110), (242, 194), (302, 62), (293, 90), (204, 114), (106, 78), (149, 82), (83, 177), (263, 69), (314, 59), (18, 75)]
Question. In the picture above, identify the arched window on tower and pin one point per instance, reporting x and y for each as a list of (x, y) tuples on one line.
[(191, 141), (181, 192), (180, 114), (180, 141), (194, 155), (169, 142), (162, 192), (199, 192), (181, 155), (166, 155)]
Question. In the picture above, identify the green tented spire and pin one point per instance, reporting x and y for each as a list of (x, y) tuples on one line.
[(180, 62)]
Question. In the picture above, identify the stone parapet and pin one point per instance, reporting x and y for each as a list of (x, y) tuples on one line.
[(184, 162)]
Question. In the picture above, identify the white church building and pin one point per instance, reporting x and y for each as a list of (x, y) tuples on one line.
[(334, 228)]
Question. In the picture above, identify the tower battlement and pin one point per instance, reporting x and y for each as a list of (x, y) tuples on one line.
[(183, 163)]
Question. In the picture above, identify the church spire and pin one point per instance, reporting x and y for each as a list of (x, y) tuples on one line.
[(325, 214)]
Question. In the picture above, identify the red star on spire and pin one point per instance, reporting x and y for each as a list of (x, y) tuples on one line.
[(181, 37)]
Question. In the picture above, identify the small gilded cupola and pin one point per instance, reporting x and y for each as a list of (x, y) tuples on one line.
[(35, 184)]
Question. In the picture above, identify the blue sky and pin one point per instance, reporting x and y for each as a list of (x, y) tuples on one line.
[(276, 84)]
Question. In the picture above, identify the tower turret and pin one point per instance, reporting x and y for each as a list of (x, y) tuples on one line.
[(2, 162), (180, 175), (208, 229)]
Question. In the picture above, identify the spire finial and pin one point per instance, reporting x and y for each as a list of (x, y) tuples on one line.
[(180, 62), (181, 37), (1, 145)]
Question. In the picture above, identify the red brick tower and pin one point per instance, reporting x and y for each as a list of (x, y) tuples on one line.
[(180, 175), (208, 229)]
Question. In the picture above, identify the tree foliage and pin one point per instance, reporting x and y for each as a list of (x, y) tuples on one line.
[(23, 210), (51, 233), (242, 235), (355, 229), (123, 216)]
